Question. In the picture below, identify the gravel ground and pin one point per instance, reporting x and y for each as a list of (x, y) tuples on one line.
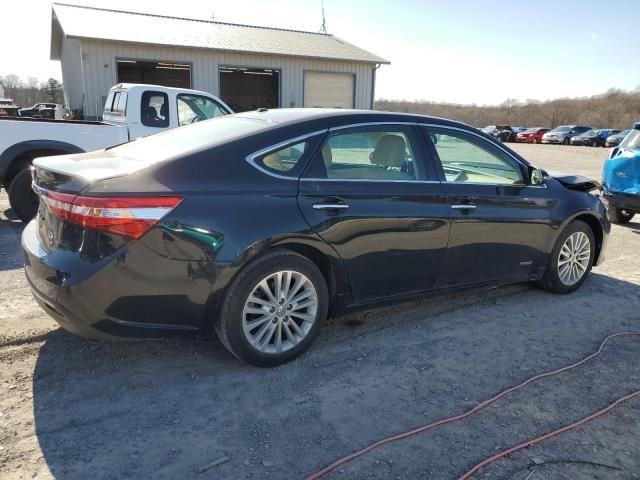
[(71, 408)]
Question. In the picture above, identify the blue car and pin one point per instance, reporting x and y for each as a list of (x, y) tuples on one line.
[(621, 178)]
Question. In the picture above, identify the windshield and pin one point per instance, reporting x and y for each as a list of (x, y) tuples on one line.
[(489, 129), (623, 133), (562, 129), (590, 133), (632, 140), (183, 140)]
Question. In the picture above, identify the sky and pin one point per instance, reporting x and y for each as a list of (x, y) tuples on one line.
[(459, 51)]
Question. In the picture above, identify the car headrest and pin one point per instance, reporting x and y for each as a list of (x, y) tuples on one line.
[(327, 157), (390, 151), (164, 110)]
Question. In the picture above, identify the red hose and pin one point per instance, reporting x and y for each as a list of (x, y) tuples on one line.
[(475, 409), (546, 436)]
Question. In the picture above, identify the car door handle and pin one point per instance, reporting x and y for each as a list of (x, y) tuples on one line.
[(464, 206), (330, 206)]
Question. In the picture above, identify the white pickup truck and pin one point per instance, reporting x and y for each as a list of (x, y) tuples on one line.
[(131, 111)]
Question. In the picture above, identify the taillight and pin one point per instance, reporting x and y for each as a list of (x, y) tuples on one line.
[(128, 216)]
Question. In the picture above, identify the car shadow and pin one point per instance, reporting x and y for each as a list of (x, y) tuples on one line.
[(170, 408), (10, 230)]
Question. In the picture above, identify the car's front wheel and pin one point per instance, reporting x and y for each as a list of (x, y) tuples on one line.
[(274, 309), (620, 215), (571, 259), (566, 141)]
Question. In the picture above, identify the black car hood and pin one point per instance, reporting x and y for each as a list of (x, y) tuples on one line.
[(575, 182)]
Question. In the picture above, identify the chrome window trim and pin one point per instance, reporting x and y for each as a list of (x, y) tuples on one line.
[(373, 180), (371, 124), (251, 159), (463, 130)]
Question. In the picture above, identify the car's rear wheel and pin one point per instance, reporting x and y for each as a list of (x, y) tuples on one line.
[(571, 259), (274, 309), (22, 198), (620, 215)]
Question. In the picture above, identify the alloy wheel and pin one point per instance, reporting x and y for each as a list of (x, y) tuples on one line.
[(574, 258), (280, 312)]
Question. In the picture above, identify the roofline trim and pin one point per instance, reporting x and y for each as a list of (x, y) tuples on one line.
[(380, 61), (113, 10)]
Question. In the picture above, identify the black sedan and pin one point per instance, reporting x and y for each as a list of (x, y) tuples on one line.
[(259, 225), (593, 138)]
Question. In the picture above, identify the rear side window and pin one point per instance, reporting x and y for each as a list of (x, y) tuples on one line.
[(154, 109), (285, 159), (119, 105), (109, 103)]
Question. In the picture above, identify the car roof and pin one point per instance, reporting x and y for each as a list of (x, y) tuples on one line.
[(342, 116)]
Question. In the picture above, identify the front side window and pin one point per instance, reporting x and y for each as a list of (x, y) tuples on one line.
[(369, 155), (195, 108), (154, 109), (466, 159), (285, 159)]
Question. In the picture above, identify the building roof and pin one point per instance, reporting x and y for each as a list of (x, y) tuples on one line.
[(115, 25)]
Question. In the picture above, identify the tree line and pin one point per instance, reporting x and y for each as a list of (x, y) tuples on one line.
[(614, 109), (28, 92)]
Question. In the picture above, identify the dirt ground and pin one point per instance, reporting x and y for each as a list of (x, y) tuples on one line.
[(72, 408)]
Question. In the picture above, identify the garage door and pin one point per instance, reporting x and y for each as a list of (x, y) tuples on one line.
[(326, 89)]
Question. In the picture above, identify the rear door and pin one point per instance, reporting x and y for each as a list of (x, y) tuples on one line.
[(371, 195), (500, 224)]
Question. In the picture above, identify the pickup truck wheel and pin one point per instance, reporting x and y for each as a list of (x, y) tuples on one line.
[(22, 198)]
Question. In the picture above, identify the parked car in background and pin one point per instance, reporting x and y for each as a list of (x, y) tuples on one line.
[(257, 225), (44, 110), (614, 140), (593, 138), (621, 179), (504, 133), (519, 129), (531, 135), (8, 108), (131, 111), (563, 133)]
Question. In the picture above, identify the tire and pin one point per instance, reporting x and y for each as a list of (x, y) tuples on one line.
[(233, 324), (22, 198), (535, 141), (565, 141), (553, 280), (620, 215)]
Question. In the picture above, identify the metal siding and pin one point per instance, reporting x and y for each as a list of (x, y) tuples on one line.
[(205, 66)]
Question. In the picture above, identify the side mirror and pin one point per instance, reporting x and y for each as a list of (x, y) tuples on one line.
[(537, 177), (434, 138)]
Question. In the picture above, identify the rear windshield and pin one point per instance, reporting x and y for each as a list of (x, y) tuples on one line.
[(632, 140), (187, 139)]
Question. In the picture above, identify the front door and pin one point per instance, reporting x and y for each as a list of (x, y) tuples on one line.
[(370, 194), (500, 224)]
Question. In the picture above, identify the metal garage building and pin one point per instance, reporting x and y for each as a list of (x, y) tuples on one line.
[(247, 66)]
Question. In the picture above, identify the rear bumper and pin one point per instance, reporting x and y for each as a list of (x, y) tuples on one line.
[(622, 200), (134, 293)]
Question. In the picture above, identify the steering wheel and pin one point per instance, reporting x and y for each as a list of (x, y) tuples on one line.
[(196, 119)]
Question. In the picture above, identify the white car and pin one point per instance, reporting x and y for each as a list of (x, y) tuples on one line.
[(131, 111)]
